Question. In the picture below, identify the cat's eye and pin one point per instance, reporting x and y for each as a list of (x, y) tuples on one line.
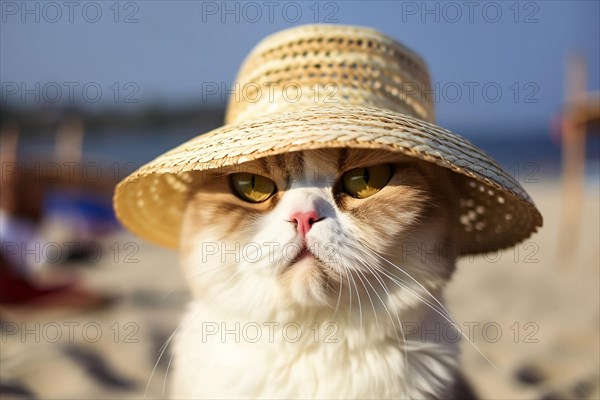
[(366, 181), (251, 187)]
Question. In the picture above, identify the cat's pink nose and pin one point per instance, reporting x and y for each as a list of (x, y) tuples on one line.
[(304, 220)]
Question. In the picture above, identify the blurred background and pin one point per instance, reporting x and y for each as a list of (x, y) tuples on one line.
[(92, 90)]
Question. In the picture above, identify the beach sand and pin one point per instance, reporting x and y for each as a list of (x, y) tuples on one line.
[(531, 311), (541, 306)]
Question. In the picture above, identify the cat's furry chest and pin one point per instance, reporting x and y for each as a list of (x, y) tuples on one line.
[(215, 357)]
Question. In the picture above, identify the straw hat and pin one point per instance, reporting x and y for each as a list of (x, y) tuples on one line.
[(330, 86)]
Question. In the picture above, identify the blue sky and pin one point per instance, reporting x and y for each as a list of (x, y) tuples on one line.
[(168, 49)]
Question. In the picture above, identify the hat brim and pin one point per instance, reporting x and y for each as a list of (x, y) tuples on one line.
[(495, 213)]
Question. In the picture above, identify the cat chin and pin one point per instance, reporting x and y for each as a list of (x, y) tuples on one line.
[(306, 281)]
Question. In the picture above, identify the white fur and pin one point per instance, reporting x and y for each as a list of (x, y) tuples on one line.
[(343, 361), (342, 351)]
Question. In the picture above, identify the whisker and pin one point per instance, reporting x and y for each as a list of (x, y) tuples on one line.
[(162, 350), (451, 321), (349, 286), (402, 284), (413, 279), (169, 340), (166, 375), (190, 278), (340, 291), (370, 299), (349, 275), (383, 286)]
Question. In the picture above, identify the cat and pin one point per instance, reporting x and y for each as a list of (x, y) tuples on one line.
[(306, 270)]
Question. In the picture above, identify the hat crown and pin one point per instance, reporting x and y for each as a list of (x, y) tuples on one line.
[(330, 65)]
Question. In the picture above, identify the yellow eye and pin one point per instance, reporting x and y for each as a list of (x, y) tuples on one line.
[(364, 182), (251, 187)]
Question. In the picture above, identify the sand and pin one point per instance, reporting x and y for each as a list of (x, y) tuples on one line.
[(545, 302), (532, 311)]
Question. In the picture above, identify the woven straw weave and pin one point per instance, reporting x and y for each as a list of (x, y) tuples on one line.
[(351, 65), (369, 109)]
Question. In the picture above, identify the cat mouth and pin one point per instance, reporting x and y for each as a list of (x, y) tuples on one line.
[(305, 255)]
